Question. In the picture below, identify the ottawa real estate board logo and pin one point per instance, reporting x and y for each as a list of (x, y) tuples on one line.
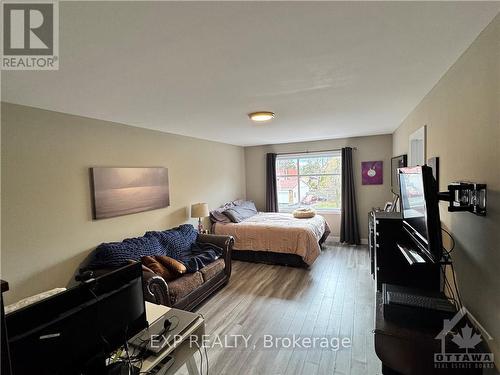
[(464, 350), (30, 35)]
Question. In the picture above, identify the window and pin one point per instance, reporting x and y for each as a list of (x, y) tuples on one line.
[(309, 180)]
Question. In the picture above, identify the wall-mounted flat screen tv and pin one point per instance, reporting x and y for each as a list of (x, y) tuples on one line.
[(420, 210), (397, 162)]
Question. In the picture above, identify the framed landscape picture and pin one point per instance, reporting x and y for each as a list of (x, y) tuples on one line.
[(372, 172), (123, 191)]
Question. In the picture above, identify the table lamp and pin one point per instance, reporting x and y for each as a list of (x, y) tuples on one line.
[(199, 210)]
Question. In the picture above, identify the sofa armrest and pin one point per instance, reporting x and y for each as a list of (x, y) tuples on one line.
[(154, 286), (155, 289), (226, 243)]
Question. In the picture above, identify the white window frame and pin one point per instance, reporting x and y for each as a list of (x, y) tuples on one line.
[(298, 156)]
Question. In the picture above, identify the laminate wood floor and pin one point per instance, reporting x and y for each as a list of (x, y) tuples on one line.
[(332, 299)]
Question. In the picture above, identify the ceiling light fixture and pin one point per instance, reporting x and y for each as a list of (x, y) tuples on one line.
[(261, 116)]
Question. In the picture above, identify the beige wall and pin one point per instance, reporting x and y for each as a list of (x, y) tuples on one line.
[(368, 148), (462, 114), (47, 229)]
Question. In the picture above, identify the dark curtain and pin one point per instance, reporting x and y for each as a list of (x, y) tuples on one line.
[(271, 188), (349, 231)]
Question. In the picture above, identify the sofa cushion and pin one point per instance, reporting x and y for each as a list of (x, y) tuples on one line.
[(184, 285), (176, 242), (213, 269)]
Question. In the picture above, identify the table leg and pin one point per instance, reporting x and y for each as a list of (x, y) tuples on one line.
[(191, 366)]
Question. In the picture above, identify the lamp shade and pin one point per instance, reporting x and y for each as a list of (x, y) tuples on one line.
[(199, 210)]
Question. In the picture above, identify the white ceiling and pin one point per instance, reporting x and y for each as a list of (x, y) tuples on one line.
[(328, 69)]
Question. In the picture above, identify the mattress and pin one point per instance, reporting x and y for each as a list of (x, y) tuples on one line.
[(279, 233)]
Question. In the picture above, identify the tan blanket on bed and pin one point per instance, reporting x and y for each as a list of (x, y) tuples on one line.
[(278, 232)]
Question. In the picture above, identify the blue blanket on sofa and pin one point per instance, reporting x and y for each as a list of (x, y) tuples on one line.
[(178, 243), (117, 254), (200, 255)]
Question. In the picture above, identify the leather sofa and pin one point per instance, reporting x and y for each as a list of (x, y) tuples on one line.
[(190, 290)]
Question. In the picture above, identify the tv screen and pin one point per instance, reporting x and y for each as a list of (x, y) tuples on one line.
[(396, 163), (420, 211), (68, 333), (413, 201)]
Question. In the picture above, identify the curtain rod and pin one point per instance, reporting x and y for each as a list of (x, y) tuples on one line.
[(311, 152)]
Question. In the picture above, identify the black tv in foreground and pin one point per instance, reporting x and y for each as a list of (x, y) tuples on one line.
[(420, 210), (75, 331)]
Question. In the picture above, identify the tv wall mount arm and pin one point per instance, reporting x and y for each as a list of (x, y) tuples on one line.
[(465, 196)]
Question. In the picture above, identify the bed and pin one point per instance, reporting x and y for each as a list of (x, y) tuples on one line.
[(276, 238)]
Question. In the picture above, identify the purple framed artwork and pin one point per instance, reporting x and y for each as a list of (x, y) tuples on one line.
[(372, 172)]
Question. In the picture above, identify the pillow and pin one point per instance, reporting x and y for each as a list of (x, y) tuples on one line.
[(247, 204), (159, 268), (238, 202), (217, 215), (239, 213), (172, 264)]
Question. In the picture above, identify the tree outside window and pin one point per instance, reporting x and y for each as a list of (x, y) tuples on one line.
[(309, 180)]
